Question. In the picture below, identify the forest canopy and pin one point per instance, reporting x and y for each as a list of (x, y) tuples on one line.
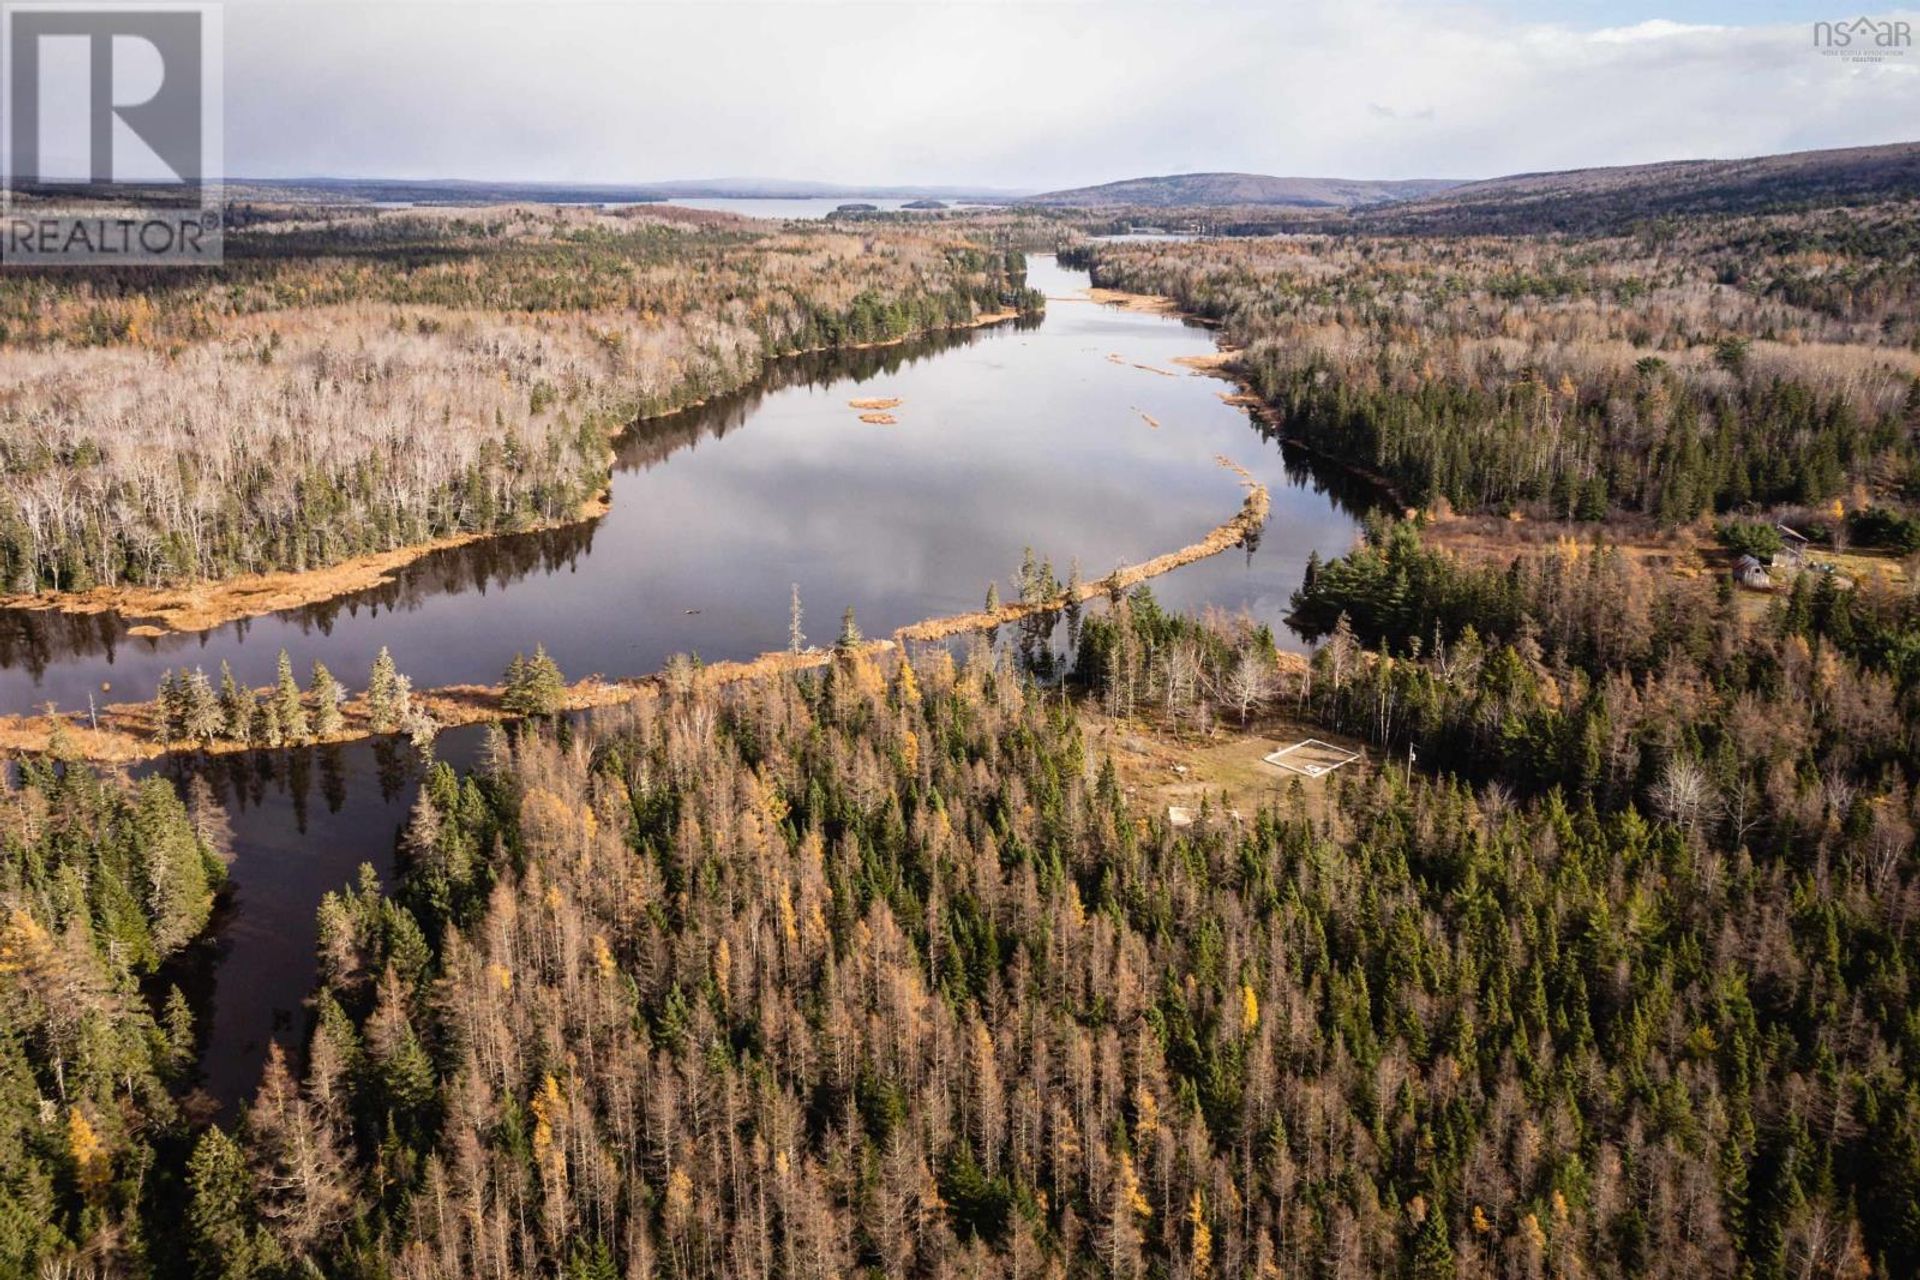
[(356, 382)]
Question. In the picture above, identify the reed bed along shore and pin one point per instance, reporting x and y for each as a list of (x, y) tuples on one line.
[(126, 732)]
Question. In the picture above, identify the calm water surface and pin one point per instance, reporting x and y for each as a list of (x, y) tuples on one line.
[(806, 208), (1007, 437)]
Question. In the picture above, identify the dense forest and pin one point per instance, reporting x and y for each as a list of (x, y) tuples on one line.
[(1695, 366), (350, 383), (102, 883), (881, 972), (1602, 962)]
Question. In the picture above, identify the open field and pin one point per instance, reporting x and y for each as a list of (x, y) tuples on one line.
[(1224, 771)]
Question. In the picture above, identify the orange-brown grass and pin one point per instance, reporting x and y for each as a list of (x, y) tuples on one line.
[(129, 731), (1150, 303), (203, 606), (1252, 515)]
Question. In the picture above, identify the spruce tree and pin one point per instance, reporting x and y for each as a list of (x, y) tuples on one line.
[(327, 696), (514, 682), (201, 719), (1074, 612), (223, 1240), (288, 707), (384, 708), (173, 707), (534, 686), (236, 707), (547, 688), (176, 1025), (850, 637), (266, 722)]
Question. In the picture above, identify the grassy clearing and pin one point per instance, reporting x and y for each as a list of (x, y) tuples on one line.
[(1223, 771)]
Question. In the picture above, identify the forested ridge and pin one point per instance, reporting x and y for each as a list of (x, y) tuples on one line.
[(355, 383), (1695, 366)]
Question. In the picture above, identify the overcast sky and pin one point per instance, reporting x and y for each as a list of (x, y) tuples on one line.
[(1031, 95)]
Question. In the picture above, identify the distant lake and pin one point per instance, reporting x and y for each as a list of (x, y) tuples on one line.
[(803, 210), (807, 209)]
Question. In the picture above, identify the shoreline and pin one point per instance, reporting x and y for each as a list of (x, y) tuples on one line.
[(160, 611), (197, 607), (126, 730), (1223, 363)]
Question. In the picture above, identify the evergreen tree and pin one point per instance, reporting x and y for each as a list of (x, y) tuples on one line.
[(850, 637), (385, 705), (327, 696), (266, 721), (201, 719), (172, 702), (514, 684), (176, 1025), (178, 876), (289, 708), (236, 707), (224, 1241), (534, 686), (1074, 607)]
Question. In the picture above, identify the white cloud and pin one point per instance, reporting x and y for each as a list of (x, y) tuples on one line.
[(1651, 29), (1016, 93)]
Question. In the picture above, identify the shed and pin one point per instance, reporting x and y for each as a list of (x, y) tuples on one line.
[(1749, 572), (1793, 547)]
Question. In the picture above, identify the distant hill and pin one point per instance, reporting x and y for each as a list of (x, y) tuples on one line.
[(1596, 199), (1568, 200), (1223, 189)]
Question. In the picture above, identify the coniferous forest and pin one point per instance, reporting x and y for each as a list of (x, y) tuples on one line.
[(877, 971), (1692, 366), (1601, 962)]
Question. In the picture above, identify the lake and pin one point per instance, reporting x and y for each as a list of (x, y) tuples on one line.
[(1036, 434), (811, 208), (1007, 437)]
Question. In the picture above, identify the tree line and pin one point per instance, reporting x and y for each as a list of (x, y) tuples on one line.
[(367, 382), (1678, 372), (190, 708)]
